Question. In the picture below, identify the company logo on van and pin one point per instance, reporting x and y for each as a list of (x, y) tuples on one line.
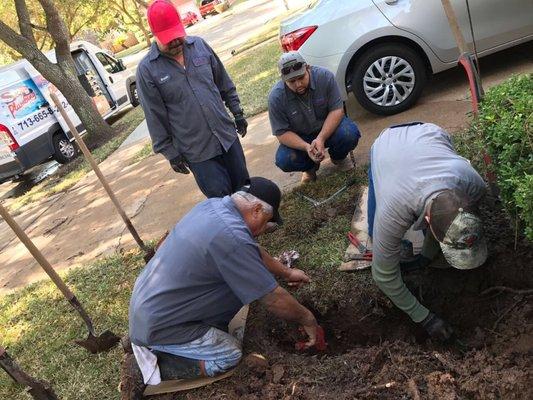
[(22, 99)]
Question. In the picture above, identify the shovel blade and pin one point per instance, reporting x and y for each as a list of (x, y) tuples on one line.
[(97, 344)]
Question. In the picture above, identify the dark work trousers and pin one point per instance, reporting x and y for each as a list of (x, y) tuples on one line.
[(343, 140), (221, 175)]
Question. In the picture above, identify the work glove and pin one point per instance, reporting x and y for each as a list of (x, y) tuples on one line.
[(179, 164), (240, 124), (438, 328)]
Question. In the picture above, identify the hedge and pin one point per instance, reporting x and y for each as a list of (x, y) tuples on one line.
[(504, 129)]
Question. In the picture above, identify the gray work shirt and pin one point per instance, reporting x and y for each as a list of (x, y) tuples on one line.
[(184, 107), (304, 115), (207, 268), (410, 166)]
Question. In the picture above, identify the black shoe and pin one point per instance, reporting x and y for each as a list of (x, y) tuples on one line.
[(174, 367)]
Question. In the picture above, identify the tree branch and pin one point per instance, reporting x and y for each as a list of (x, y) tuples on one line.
[(142, 3), (24, 47), (89, 20), (38, 28), (24, 20), (60, 35)]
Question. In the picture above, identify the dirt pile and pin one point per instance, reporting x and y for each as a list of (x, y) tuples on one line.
[(376, 352)]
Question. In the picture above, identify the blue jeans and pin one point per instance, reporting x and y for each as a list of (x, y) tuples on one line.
[(371, 203), (221, 175), (219, 350), (343, 140)]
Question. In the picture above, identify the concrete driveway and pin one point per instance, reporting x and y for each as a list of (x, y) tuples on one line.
[(77, 227)]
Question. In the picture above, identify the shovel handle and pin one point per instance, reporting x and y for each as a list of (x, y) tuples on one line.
[(36, 253), (98, 173)]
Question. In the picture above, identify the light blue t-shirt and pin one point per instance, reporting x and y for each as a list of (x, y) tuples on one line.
[(207, 268)]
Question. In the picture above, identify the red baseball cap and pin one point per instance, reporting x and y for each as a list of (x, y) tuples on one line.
[(165, 21)]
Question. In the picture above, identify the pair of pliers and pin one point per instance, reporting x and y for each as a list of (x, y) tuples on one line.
[(361, 257), (360, 246)]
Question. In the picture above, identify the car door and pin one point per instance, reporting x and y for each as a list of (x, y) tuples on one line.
[(117, 76), (495, 22)]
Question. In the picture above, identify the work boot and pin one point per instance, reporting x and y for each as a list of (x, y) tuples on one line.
[(344, 165), (310, 174), (174, 367), (131, 380)]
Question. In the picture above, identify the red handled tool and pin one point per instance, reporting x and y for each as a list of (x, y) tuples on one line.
[(320, 343), (360, 246)]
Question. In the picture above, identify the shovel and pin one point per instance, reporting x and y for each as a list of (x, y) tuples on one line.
[(93, 343), (39, 390), (148, 253)]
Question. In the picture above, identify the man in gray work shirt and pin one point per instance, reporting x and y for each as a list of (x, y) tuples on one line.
[(183, 87), (208, 267), (417, 179), (307, 116)]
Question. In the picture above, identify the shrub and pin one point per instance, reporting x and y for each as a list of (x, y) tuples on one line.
[(504, 129)]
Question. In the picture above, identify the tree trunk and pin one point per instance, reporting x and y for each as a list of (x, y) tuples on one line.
[(142, 26), (63, 73), (80, 101)]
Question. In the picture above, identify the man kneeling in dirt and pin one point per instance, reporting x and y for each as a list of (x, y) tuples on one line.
[(208, 267), (417, 179)]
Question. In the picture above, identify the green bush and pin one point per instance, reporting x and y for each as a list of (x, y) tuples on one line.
[(504, 130)]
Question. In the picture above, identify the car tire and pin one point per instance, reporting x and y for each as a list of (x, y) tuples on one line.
[(134, 95), (64, 150), (384, 90)]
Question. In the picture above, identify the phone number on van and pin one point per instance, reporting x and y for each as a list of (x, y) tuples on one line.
[(38, 117)]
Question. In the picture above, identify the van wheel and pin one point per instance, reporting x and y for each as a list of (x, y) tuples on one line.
[(64, 150), (388, 78), (134, 95)]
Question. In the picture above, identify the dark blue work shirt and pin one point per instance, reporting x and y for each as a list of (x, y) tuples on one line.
[(304, 115), (184, 107), (207, 268)]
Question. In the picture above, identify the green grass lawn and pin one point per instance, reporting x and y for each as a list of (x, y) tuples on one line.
[(38, 327), (254, 73), (132, 50)]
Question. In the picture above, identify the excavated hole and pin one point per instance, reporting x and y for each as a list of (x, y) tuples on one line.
[(347, 328)]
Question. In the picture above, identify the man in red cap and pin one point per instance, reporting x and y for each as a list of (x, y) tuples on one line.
[(184, 90)]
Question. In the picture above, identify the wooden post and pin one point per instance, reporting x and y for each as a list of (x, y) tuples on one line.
[(454, 25), (99, 174)]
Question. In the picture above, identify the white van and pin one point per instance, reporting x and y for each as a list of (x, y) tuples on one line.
[(31, 129)]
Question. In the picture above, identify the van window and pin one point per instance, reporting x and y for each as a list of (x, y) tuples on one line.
[(109, 63)]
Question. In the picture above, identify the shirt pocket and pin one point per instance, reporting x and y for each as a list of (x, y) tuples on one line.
[(202, 67), (171, 87), (320, 106), (296, 118)]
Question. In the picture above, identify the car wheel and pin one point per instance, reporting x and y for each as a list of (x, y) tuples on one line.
[(134, 95), (64, 150), (388, 78)]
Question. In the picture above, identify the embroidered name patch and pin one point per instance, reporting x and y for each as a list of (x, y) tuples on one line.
[(164, 79)]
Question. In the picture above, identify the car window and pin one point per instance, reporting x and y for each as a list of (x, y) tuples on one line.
[(109, 64)]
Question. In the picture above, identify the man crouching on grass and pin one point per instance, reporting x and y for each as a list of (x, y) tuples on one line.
[(208, 267)]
